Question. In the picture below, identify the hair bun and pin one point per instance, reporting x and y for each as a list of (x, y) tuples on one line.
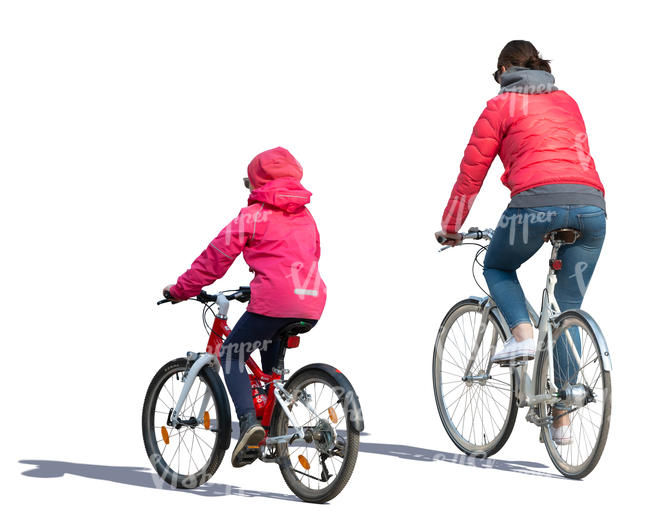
[(522, 53), (532, 61)]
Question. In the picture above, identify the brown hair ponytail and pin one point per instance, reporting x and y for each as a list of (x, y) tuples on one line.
[(522, 53)]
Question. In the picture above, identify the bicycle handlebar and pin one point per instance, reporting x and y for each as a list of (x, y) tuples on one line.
[(473, 233), (243, 294)]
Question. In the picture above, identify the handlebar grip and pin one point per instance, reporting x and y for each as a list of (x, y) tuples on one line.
[(168, 298), (441, 240)]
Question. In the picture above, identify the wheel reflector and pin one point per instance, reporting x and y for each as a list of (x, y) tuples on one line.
[(304, 462), (206, 420), (165, 435), (333, 417)]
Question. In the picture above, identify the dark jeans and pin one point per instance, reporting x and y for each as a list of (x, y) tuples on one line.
[(252, 332), (519, 236)]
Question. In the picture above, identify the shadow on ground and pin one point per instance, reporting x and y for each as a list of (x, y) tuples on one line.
[(137, 476), (423, 454), (144, 477)]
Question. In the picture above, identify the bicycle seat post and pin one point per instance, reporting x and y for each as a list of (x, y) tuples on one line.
[(279, 365)]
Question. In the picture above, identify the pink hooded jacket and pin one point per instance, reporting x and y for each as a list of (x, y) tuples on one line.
[(279, 239)]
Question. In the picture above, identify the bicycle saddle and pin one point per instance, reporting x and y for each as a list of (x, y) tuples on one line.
[(562, 236), (295, 328)]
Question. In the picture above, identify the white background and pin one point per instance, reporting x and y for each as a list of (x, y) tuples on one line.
[(125, 131)]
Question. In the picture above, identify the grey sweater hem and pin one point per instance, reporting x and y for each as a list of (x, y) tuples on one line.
[(559, 195)]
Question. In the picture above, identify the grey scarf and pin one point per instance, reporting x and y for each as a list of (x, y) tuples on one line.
[(527, 81)]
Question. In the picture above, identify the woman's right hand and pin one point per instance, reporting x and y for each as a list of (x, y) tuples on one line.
[(449, 239)]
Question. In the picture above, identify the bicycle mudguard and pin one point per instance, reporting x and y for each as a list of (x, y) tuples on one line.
[(598, 334), (494, 310), (225, 421), (343, 389)]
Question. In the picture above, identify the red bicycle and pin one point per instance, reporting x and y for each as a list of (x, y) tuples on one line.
[(312, 421)]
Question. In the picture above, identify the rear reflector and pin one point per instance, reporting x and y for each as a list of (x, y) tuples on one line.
[(304, 462), (165, 435)]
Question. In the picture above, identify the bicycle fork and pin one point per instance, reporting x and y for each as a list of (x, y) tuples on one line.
[(487, 305), (200, 361)]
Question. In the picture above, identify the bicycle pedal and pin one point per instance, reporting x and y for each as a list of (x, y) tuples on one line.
[(246, 456), (250, 453), (510, 364)]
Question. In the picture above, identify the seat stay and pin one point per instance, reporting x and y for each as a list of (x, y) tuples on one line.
[(280, 395)]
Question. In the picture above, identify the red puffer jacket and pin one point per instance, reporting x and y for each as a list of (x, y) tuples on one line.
[(540, 139)]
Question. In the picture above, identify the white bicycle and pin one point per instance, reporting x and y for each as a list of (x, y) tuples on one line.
[(477, 400)]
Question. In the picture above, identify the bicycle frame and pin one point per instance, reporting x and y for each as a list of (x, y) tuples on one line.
[(544, 323), (274, 382)]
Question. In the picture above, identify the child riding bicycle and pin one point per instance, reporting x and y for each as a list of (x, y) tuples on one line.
[(280, 242)]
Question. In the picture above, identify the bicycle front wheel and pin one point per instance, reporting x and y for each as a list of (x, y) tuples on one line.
[(186, 456), (586, 388), (478, 412), (317, 470)]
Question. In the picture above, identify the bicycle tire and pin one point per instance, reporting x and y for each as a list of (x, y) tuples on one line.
[(279, 426), (222, 434), (578, 471), (465, 445)]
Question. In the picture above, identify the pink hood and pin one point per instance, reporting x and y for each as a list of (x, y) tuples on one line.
[(285, 193), (273, 164)]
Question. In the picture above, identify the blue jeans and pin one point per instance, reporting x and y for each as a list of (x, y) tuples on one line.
[(519, 235)]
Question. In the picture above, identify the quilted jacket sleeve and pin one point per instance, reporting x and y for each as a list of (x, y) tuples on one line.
[(481, 150), (217, 258)]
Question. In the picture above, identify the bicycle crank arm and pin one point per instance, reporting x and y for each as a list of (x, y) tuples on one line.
[(281, 439)]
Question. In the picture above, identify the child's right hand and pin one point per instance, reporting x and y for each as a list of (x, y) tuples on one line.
[(167, 293)]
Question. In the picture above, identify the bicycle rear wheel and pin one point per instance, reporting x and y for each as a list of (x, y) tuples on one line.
[(188, 455), (318, 470), (589, 396), (478, 414)]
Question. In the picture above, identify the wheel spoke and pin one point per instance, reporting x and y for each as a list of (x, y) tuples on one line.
[(477, 411)]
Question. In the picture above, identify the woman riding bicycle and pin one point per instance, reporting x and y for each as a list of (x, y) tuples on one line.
[(538, 132), (280, 242)]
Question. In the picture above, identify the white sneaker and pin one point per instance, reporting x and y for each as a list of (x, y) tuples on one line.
[(514, 350), (561, 435)]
